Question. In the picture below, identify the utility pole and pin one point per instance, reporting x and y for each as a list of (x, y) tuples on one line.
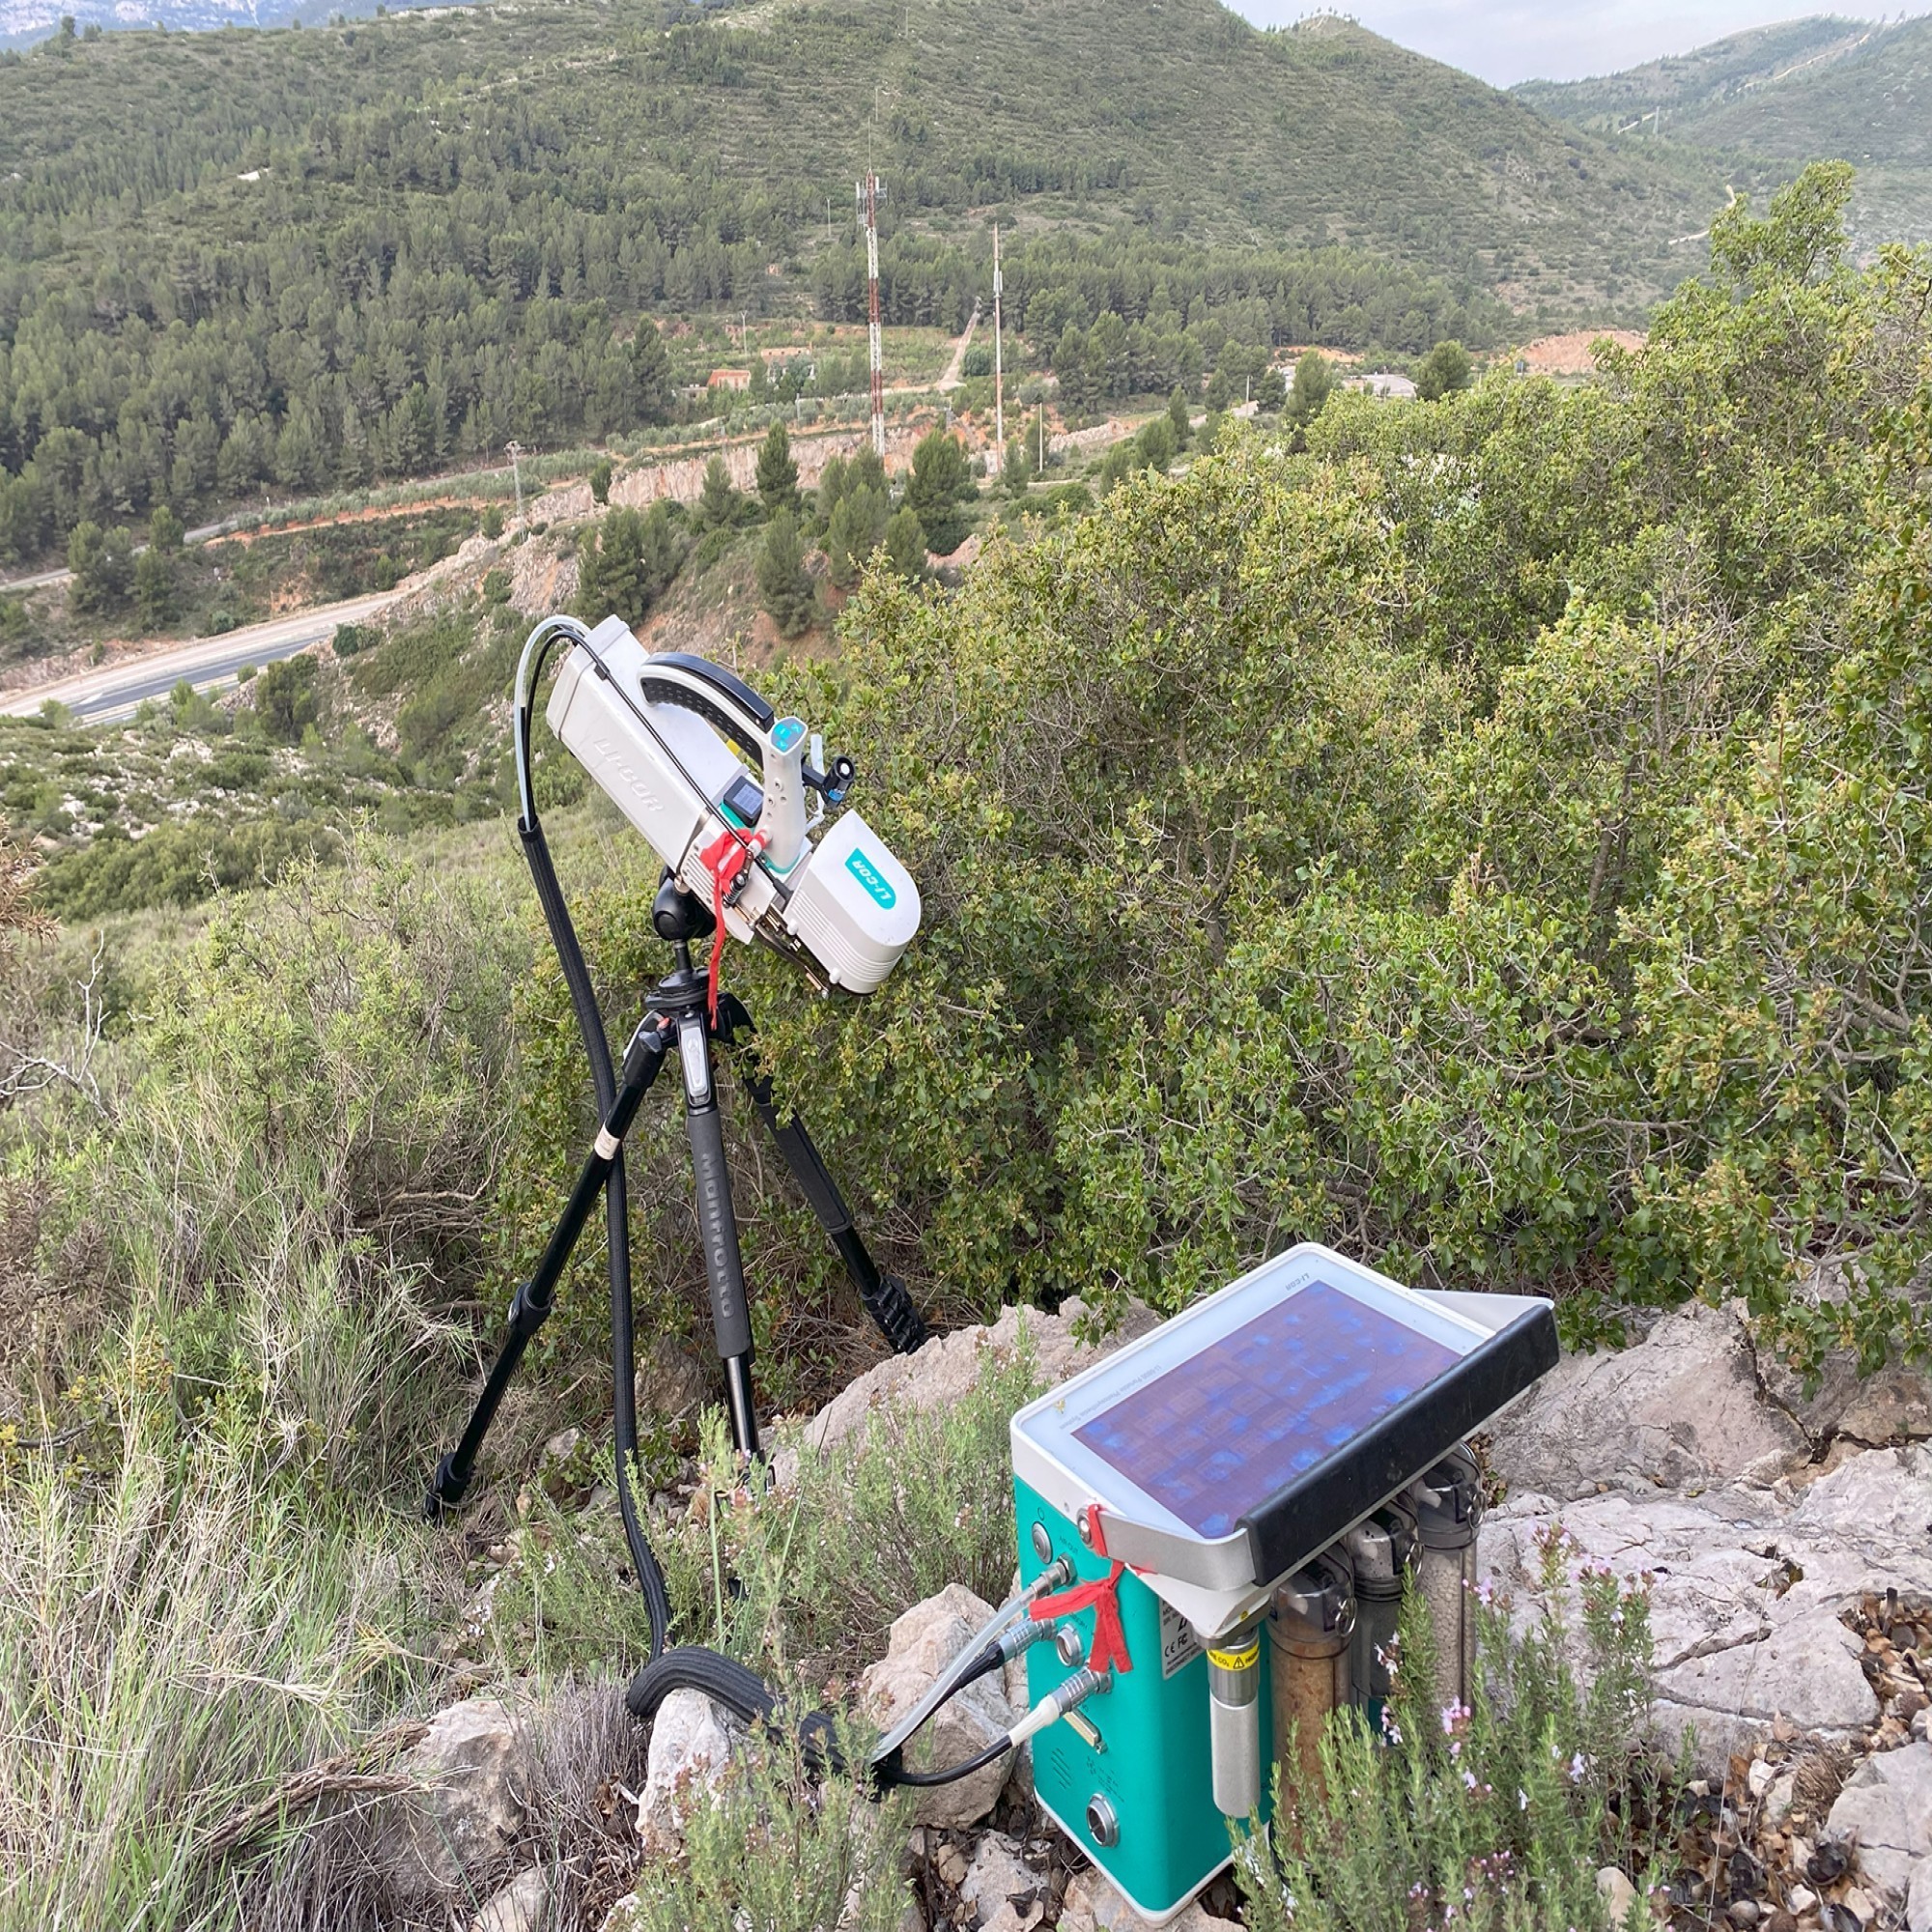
[(868, 193), (1042, 440), (516, 450), (999, 367)]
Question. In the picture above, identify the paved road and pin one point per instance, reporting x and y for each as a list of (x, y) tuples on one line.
[(114, 690)]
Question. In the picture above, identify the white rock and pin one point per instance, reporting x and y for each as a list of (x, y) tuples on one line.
[(1893, 1405), (1760, 1777), (692, 1741), (1006, 1895), (466, 1811), (1682, 1411), (1801, 1899), (948, 1365), (1887, 1807), (923, 1642), (521, 1906), (1616, 1891), (1777, 1803), (1919, 1897), (1748, 1588), (1092, 1905)]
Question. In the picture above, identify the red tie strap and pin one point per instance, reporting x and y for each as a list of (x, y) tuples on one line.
[(1109, 1648), (725, 859)]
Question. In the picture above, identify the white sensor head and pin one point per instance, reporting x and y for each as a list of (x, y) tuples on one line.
[(658, 734)]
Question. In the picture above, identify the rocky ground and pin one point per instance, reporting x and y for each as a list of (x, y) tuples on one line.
[(1788, 1545)]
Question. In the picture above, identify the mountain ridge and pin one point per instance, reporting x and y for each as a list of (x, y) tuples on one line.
[(1821, 86), (1188, 117)]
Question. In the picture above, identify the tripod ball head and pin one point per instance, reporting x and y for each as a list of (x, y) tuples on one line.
[(679, 916)]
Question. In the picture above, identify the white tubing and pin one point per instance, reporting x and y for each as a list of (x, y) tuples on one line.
[(942, 1685)]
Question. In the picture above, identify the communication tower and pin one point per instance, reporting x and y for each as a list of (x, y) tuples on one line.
[(999, 366), (869, 193)]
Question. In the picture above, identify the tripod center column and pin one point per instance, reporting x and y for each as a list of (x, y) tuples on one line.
[(717, 1227)]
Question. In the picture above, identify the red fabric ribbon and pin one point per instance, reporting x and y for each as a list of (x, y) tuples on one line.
[(725, 859), (1109, 1648)]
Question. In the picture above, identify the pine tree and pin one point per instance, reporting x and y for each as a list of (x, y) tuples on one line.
[(1313, 383), (717, 502), (631, 563), (1177, 416), (940, 483), (905, 545), (599, 483), (778, 474), (784, 585), (650, 371), (857, 529), (1445, 369), (831, 486), (156, 594), (103, 564)]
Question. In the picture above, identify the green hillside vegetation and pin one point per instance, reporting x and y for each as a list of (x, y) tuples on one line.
[(1693, 85), (296, 261), (1491, 835), (1807, 90)]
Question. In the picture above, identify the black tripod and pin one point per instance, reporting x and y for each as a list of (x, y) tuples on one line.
[(677, 1018)]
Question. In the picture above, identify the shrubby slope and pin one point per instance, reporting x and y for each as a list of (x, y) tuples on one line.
[(1494, 839)]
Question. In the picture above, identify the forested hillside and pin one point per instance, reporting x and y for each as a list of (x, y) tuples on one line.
[(254, 261), (1805, 90)]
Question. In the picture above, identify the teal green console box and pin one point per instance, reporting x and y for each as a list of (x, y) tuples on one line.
[(1198, 1470), (1131, 1782)]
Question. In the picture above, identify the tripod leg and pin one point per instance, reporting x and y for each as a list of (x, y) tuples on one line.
[(536, 1299), (718, 1229), (884, 1296)]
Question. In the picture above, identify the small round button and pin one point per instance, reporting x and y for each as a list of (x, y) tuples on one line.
[(1042, 1542), (1104, 1822)]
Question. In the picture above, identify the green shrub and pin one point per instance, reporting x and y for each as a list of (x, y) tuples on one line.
[(777, 1846), (286, 699), (1496, 1814), (1496, 791), (178, 862)]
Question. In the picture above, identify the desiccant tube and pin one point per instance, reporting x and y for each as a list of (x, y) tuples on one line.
[(1311, 1623), (1448, 1512), (1234, 1720), (1381, 1551)]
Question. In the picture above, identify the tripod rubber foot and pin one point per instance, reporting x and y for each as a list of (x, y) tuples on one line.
[(898, 1320), (445, 1491)]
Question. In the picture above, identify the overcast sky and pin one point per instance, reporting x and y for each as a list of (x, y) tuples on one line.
[(1507, 41)]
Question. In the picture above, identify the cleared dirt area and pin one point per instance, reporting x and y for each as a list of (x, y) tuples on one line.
[(1569, 355)]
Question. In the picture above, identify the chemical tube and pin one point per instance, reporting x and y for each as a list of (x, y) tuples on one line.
[(1448, 1510), (1235, 1718), (1310, 1625), (1381, 1551)]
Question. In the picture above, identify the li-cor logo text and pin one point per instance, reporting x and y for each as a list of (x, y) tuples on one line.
[(871, 878), (611, 754)]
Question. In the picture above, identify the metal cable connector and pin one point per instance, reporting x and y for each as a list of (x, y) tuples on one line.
[(1055, 1705)]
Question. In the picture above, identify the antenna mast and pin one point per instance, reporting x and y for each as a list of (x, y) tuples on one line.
[(999, 367), (869, 193)]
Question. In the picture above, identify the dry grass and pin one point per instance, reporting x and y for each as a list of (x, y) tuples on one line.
[(175, 1642)]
